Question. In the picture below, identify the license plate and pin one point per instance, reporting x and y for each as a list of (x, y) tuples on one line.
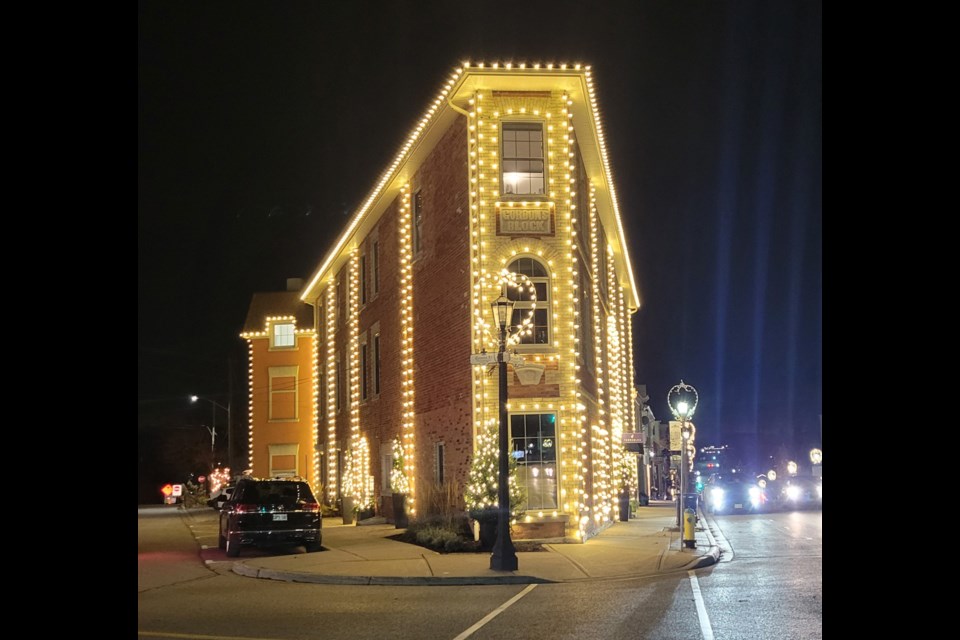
[(738, 505), (279, 516)]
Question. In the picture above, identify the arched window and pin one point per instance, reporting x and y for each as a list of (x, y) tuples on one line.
[(523, 301)]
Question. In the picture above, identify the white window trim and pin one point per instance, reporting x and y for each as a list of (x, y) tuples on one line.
[(273, 336), (546, 178)]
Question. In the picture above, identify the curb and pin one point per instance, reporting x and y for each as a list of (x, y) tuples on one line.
[(242, 569)]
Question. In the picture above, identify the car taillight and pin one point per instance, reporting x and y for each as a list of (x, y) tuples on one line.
[(311, 506), (246, 508)]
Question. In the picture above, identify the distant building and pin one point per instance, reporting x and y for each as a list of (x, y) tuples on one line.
[(507, 171), (282, 376)]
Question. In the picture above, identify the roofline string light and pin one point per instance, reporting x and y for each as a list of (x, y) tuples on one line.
[(457, 77)]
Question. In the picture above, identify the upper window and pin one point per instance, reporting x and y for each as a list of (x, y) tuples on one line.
[(283, 335), (587, 347), (364, 367), (376, 267), (523, 300), (521, 160), (600, 269), (363, 279), (417, 221)]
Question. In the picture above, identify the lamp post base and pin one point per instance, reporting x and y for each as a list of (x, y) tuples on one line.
[(504, 557)]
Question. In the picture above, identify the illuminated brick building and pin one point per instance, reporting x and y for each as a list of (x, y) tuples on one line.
[(507, 169)]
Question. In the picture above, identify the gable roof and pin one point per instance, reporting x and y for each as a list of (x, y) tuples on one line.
[(273, 304), (452, 101)]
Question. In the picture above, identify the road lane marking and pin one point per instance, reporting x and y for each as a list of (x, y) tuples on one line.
[(705, 629), (493, 614)]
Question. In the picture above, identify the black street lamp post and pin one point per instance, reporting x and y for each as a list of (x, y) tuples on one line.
[(504, 557)]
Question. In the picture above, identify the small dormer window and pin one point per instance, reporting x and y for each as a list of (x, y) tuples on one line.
[(283, 335)]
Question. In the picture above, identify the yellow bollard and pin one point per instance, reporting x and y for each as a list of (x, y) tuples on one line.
[(689, 528)]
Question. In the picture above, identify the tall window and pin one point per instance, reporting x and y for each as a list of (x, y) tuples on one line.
[(376, 267), (522, 158), (587, 348), (339, 383), (283, 335), (340, 299), (376, 364), (364, 382), (534, 438), (523, 301), (601, 266), (417, 221), (283, 393), (363, 279)]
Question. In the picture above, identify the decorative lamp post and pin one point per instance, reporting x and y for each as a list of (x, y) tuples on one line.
[(682, 399), (792, 468), (504, 557), (213, 430)]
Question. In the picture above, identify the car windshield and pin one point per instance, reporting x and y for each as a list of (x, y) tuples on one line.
[(286, 493)]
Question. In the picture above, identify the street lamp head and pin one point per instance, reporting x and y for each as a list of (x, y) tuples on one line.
[(502, 311), (682, 400), (194, 398)]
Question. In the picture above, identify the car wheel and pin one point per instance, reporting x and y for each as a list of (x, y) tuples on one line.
[(233, 549), (312, 546)]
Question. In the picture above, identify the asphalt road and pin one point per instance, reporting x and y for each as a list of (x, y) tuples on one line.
[(768, 585)]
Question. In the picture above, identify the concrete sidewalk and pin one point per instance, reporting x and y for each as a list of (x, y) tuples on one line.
[(646, 545)]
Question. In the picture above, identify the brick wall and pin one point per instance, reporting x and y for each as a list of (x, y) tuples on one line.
[(441, 310)]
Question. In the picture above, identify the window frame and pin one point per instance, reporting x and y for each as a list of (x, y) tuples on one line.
[(523, 125), (376, 364), (273, 336), (522, 466), (363, 279), (521, 306), (376, 267), (364, 377), (416, 222)]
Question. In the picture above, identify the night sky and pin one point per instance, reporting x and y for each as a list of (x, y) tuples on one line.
[(261, 126)]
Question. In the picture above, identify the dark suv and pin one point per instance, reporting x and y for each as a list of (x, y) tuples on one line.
[(264, 512)]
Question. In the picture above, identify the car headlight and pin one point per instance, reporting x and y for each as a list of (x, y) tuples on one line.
[(755, 494), (793, 492), (716, 495)]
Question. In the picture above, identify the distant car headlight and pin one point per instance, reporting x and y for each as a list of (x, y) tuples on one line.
[(716, 496), (793, 492)]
